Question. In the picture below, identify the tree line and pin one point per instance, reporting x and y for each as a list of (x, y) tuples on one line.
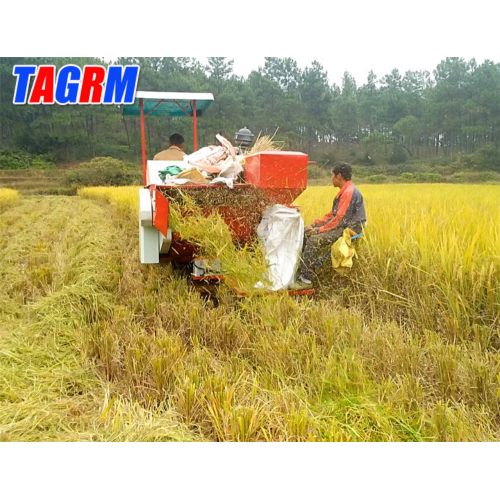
[(453, 109)]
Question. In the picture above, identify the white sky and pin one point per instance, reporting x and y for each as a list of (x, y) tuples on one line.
[(357, 67), (342, 36)]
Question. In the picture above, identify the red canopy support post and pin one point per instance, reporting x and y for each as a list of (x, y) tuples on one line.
[(195, 124), (141, 105)]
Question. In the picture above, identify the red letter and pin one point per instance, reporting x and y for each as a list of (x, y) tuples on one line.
[(93, 78), (43, 88)]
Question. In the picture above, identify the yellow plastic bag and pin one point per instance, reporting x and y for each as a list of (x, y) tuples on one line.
[(193, 175), (343, 253)]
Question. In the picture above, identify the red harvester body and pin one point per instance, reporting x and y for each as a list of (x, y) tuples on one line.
[(270, 178)]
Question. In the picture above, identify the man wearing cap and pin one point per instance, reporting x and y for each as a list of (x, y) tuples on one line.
[(348, 211), (176, 150)]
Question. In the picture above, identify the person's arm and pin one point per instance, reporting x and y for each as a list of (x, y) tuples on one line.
[(344, 204), (314, 227), (320, 222)]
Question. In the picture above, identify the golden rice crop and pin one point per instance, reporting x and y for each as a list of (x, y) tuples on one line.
[(125, 199), (285, 369), (358, 362), (431, 252), (265, 143), (7, 196), (244, 267)]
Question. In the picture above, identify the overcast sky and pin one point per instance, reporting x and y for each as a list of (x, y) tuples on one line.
[(358, 67), (343, 36)]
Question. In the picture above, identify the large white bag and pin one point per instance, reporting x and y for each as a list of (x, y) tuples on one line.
[(282, 233)]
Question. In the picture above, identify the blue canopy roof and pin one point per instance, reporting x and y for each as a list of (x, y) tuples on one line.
[(169, 104)]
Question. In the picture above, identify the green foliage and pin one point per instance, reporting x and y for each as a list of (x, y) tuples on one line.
[(398, 156), (445, 161), (103, 171), (376, 148), (366, 160), (488, 177), (315, 172), (362, 172), (428, 177), (376, 138), (488, 157), (407, 126), (407, 177), (476, 177), (12, 159), (466, 162), (328, 157), (445, 170), (377, 179), (397, 169), (454, 111), (101, 163)]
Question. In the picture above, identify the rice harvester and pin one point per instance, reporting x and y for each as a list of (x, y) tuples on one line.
[(273, 177)]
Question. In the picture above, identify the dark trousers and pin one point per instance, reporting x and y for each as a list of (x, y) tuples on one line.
[(315, 246)]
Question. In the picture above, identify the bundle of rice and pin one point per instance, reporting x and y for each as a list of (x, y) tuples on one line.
[(242, 266), (265, 143)]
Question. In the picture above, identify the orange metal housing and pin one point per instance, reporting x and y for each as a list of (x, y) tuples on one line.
[(277, 169)]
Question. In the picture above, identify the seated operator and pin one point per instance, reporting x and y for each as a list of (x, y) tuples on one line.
[(348, 211), (176, 150)]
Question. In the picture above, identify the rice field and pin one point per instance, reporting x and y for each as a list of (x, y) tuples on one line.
[(7, 197), (431, 252), (94, 346)]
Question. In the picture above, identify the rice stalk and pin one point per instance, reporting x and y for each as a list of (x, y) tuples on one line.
[(265, 143)]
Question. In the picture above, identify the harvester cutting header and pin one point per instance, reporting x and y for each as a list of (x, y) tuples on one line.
[(218, 178)]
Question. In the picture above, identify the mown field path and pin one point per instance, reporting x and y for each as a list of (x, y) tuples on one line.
[(49, 390)]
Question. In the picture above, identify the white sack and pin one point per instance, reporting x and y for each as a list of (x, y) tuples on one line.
[(199, 155), (282, 234), (231, 171)]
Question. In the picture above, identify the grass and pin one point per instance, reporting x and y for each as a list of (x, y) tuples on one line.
[(403, 349)]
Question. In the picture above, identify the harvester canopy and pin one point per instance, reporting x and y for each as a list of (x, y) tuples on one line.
[(174, 104)]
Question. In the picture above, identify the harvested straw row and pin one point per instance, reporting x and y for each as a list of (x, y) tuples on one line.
[(208, 230)]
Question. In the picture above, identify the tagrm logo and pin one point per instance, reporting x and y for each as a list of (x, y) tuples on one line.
[(93, 85)]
